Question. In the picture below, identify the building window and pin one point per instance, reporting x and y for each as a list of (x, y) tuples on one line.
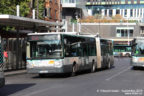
[(106, 12), (110, 12), (117, 11), (125, 13), (124, 32), (131, 33), (142, 31), (118, 33), (47, 12), (55, 14), (131, 12), (122, 12), (55, 1), (141, 12), (137, 12)]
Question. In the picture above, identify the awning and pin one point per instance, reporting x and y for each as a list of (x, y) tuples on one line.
[(15, 21)]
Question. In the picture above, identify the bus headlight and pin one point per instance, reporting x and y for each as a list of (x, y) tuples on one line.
[(29, 65), (58, 63), (135, 59)]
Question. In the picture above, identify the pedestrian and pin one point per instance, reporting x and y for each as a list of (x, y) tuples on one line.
[(6, 56)]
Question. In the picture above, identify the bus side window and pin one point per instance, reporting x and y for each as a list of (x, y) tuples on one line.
[(70, 46), (92, 50)]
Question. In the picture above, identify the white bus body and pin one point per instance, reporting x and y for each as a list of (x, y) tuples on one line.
[(137, 58), (71, 53)]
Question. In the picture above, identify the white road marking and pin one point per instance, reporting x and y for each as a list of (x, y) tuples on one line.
[(115, 75)]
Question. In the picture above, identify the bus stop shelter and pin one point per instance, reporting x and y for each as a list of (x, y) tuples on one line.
[(27, 25)]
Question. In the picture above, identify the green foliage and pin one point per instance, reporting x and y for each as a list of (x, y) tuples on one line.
[(41, 8), (73, 21), (24, 8), (9, 7)]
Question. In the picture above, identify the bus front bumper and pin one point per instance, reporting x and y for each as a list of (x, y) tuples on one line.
[(138, 64), (2, 82), (45, 70)]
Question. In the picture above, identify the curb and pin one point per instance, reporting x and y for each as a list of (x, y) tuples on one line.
[(15, 73)]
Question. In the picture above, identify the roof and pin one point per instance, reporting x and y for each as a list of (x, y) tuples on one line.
[(46, 33), (15, 21)]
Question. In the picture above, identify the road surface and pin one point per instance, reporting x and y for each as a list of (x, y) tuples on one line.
[(118, 81)]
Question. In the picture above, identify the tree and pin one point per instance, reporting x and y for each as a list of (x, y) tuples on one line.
[(9, 7), (41, 9)]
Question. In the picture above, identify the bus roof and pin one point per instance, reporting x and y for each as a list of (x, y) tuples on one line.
[(46, 33), (70, 33), (65, 33)]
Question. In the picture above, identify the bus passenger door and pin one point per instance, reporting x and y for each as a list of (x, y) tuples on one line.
[(83, 58), (85, 55), (80, 56)]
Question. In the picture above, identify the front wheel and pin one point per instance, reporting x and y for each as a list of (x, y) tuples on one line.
[(42, 75), (134, 68)]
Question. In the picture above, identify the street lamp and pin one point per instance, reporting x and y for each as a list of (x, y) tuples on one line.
[(98, 19), (18, 8), (128, 30), (33, 9)]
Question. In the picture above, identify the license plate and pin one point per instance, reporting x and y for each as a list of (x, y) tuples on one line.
[(44, 71)]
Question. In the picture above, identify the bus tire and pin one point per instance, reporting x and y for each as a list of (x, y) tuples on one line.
[(74, 68), (134, 68), (93, 67), (42, 75), (127, 55)]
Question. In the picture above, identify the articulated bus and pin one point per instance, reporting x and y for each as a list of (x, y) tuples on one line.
[(67, 53), (2, 79), (122, 50), (137, 58)]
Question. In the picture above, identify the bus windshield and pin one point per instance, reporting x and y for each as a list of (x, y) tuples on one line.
[(139, 48), (48, 46)]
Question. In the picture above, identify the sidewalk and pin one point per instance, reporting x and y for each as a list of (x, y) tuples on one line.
[(18, 72)]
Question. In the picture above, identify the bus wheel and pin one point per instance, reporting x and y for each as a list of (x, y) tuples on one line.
[(73, 70), (42, 75), (134, 68), (127, 55), (93, 67)]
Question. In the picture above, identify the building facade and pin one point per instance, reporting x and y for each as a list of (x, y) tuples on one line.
[(73, 9), (53, 10), (128, 9)]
